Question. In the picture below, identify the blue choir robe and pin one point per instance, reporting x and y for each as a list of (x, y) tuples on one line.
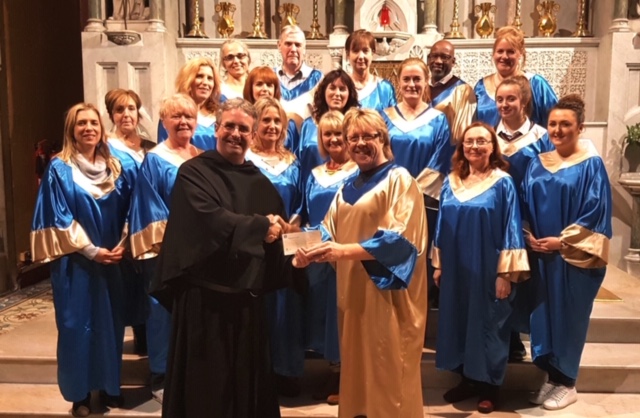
[(321, 317), (458, 103), (567, 281), (72, 212), (307, 152), (378, 94), (136, 306), (422, 146), (292, 141), (521, 150), (204, 137), (226, 93), (285, 311), (297, 100), (382, 303), (542, 96), (148, 216), (478, 236)]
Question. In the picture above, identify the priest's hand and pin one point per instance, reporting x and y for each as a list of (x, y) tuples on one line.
[(274, 232), (437, 273), (503, 287)]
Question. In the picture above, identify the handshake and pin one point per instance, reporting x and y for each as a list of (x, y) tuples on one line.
[(278, 227)]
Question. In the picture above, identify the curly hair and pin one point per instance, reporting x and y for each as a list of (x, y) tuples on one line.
[(320, 106)]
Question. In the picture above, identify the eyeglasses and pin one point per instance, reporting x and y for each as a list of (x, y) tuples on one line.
[(479, 142), (435, 56), (230, 57), (231, 128), (366, 138)]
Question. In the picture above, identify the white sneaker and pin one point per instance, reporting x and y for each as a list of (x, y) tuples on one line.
[(542, 394), (561, 397), (158, 395)]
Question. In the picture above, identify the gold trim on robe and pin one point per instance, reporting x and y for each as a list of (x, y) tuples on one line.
[(51, 243), (435, 257), (146, 243), (510, 148), (553, 162), (514, 262), (430, 182), (584, 248), (327, 178), (97, 190), (463, 194), (459, 108)]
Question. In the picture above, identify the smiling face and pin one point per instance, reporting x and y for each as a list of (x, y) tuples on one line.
[(477, 147), (509, 102), (413, 82), (564, 130), (366, 148), (234, 132), (87, 131), (235, 60), (440, 60), (269, 126), (202, 85), (506, 58), (180, 123), (292, 48), (360, 58), (336, 95), (125, 116), (261, 88), (334, 143)]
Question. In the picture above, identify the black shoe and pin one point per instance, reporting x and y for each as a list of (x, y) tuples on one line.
[(288, 386), (111, 401), (434, 297), (464, 390), (82, 408), (140, 339), (517, 352), (331, 386)]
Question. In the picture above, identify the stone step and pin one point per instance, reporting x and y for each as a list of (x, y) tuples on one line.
[(604, 368), (45, 401)]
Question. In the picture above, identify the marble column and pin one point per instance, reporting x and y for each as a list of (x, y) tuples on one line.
[(430, 12), (631, 183), (95, 20), (620, 21), (340, 27), (156, 16)]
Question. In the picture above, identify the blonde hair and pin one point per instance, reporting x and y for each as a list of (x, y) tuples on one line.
[(187, 75), (69, 149), (515, 38), (332, 120), (262, 105), (177, 101), (362, 119)]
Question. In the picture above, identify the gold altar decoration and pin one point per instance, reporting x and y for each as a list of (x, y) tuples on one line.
[(315, 25), (455, 25), (196, 31), (517, 19), (581, 27), (289, 13), (547, 10), (225, 23), (257, 33), (484, 26)]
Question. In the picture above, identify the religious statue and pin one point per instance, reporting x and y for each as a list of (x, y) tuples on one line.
[(387, 19), (130, 9)]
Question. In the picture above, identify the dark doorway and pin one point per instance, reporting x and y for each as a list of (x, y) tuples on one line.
[(40, 77)]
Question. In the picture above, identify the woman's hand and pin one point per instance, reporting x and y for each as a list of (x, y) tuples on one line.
[(300, 259), (538, 245), (326, 252), (105, 256), (550, 244), (436, 276), (503, 287)]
